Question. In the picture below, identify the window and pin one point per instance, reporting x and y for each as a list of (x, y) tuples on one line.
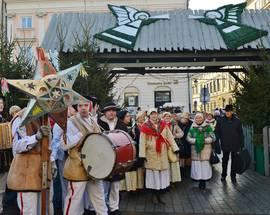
[(218, 85), (27, 22), (131, 99), (161, 97)]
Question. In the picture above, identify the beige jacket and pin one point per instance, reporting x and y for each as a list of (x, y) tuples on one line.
[(205, 154), (147, 149), (74, 169), (25, 173)]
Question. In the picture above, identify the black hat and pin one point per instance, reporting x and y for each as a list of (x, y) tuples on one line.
[(228, 108), (121, 114), (109, 106)]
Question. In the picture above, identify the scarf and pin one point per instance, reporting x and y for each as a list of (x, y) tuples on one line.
[(199, 133), (148, 129)]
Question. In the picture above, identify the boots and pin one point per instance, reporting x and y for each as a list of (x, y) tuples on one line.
[(202, 184), (155, 200)]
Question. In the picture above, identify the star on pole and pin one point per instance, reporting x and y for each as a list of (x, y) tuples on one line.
[(51, 94)]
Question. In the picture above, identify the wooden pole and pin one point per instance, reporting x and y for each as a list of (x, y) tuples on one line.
[(45, 160)]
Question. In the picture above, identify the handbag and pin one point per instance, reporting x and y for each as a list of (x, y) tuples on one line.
[(242, 161), (214, 158), (171, 155)]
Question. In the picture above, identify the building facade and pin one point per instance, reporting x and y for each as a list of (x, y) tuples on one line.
[(152, 90), (258, 4), (28, 21), (220, 87)]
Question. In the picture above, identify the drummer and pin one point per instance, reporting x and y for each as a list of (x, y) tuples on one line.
[(109, 122), (78, 126)]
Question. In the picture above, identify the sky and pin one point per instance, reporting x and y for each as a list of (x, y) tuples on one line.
[(210, 4)]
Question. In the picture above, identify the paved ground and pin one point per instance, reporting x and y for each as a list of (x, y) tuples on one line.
[(250, 195)]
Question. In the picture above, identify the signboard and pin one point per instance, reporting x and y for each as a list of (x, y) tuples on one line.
[(205, 95)]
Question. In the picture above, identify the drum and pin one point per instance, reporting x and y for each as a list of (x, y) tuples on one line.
[(5, 136), (108, 154), (5, 147)]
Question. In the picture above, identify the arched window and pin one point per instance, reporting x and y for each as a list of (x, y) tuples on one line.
[(131, 97)]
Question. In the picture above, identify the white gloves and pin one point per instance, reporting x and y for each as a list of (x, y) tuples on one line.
[(43, 131), (208, 140)]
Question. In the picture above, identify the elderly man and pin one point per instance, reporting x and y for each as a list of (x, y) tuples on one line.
[(229, 132)]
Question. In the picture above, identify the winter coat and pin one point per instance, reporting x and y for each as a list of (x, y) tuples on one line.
[(105, 127), (230, 133), (209, 138), (154, 159), (176, 131), (187, 147)]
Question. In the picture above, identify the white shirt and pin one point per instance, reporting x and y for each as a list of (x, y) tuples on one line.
[(74, 135), (57, 141), (21, 142)]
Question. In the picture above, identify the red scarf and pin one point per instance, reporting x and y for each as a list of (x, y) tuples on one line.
[(149, 129)]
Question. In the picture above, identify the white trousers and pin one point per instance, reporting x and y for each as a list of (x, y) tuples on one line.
[(29, 203), (113, 194), (74, 203), (3, 182)]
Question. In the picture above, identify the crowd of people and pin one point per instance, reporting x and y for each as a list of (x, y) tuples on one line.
[(169, 147)]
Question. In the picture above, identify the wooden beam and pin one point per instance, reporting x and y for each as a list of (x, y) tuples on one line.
[(237, 78), (181, 64)]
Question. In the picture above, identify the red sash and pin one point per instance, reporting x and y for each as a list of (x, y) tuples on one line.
[(148, 129)]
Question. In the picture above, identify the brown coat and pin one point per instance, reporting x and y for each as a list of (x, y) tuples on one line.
[(25, 173), (155, 160), (205, 154), (74, 169)]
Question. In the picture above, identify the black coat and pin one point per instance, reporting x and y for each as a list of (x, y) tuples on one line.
[(119, 125), (105, 127), (187, 147), (230, 134)]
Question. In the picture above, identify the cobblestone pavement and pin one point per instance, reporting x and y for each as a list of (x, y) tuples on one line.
[(250, 195)]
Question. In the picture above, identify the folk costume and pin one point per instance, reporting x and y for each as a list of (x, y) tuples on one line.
[(74, 172), (26, 168), (201, 138), (154, 142), (175, 174), (134, 178)]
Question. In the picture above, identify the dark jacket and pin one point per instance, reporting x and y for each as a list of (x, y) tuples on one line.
[(186, 145), (230, 134), (105, 127)]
